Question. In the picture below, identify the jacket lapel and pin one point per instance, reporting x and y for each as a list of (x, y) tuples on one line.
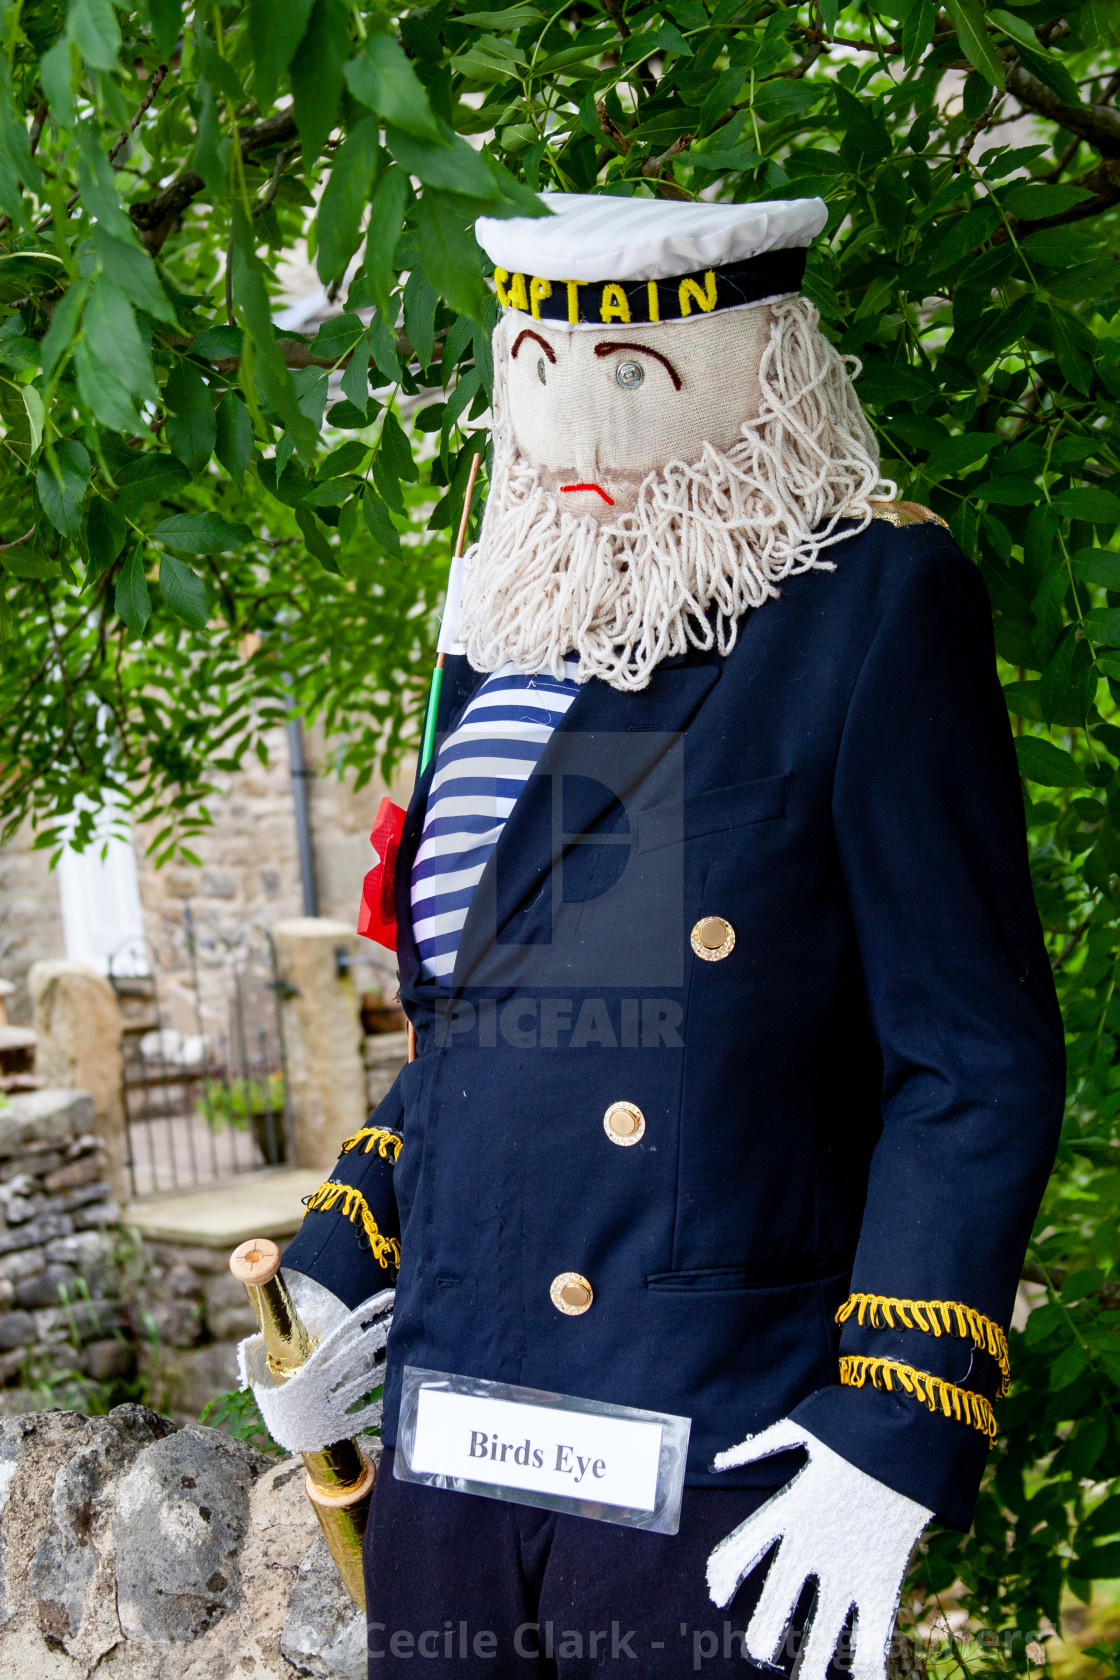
[(527, 852)]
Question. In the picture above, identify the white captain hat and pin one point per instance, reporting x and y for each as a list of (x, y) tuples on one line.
[(598, 258)]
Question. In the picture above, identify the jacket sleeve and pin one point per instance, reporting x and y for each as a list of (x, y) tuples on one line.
[(928, 818), (350, 1237)]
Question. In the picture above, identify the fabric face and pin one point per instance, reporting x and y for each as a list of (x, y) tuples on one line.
[(643, 561), (609, 406)]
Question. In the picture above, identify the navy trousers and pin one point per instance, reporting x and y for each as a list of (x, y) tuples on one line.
[(490, 1591)]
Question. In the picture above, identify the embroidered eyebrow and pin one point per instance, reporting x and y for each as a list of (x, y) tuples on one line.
[(609, 347), (529, 333)]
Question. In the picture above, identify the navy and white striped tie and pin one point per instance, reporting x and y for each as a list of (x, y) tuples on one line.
[(480, 770)]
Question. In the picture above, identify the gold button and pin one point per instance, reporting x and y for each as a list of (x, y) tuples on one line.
[(571, 1294), (624, 1123), (713, 938)]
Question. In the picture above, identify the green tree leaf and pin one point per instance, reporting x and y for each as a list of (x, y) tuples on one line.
[(58, 71), (192, 428), (62, 481), (64, 325), (201, 533), (92, 26), (345, 198), (132, 601), (184, 591), (917, 30), (396, 450), (451, 257), (251, 299), (275, 32), (316, 541), (380, 525), (420, 303), (1032, 200), (1097, 565), (1041, 761), (355, 378), (26, 563), (134, 273), (1099, 507), (386, 219), (113, 363), (316, 73), (456, 168), (234, 445), (149, 479), (382, 79), (967, 18), (103, 534), (167, 22), (96, 187), (36, 414)]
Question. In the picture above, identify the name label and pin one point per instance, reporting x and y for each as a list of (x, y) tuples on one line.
[(533, 1447)]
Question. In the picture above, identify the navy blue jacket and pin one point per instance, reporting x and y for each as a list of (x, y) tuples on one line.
[(852, 1112)]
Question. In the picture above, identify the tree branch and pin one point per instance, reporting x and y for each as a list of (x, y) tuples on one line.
[(157, 217), (654, 168), (157, 77), (1099, 125)]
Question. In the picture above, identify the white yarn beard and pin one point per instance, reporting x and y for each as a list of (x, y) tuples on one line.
[(705, 542)]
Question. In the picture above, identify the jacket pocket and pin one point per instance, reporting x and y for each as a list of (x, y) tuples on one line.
[(758, 1274), (714, 812)]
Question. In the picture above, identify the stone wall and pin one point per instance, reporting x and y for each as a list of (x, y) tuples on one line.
[(197, 1313), (30, 918), (63, 1259), (126, 1543)]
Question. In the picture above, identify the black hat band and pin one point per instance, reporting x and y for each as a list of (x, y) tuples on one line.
[(603, 302)]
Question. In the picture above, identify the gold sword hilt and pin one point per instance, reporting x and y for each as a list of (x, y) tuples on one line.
[(340, 1477)]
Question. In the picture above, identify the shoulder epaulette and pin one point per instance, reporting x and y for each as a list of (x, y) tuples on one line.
[(905, 513)]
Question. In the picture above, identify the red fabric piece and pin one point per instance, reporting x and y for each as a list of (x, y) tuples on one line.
[(377, 916)]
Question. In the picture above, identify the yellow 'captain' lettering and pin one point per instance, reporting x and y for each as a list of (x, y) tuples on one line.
[(654, 306), (573, 299), (538, 290), (615, 305), (689, 290), (501, 275), (518, 297)]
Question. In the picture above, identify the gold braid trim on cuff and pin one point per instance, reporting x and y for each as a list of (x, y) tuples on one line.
[(934, 1317), (934, 1392), (375, 1137), (355, 1207)]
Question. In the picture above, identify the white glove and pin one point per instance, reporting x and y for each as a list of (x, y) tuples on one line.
[(850, 1532), (312, 1408)]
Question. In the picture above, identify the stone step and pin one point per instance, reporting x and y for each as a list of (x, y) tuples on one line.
[(263, 1204)]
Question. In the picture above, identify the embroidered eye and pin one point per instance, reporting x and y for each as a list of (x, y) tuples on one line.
[(540, 371), (630, 375)]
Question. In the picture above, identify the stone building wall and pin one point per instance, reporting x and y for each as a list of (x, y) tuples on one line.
[(64, 1261), (30, 918), (248, 878)]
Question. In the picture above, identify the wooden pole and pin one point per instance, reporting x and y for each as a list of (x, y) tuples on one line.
[(427, 745)]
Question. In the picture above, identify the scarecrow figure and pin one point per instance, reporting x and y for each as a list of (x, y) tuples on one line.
[(739, 1070)]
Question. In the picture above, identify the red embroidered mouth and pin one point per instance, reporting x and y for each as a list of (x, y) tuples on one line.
[(598, 489)]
